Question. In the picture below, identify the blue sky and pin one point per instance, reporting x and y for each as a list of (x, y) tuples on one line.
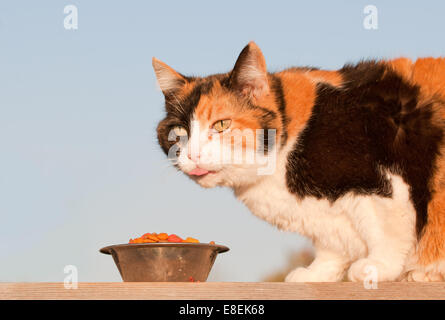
[(80, 167)]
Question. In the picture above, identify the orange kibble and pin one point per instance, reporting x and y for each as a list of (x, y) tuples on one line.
[(163, 236), (174, 238), (191, 240), (153, 237)]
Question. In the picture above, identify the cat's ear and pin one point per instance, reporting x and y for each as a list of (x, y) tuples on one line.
[(249, 75), (169, 80)]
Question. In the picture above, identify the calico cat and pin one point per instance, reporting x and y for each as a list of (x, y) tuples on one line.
[(357, 154)]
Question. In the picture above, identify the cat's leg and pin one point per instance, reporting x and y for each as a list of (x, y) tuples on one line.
[(428, 263), (387, 225), (328, 266)]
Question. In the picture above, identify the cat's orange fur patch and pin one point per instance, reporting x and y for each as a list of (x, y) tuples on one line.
[(403, 66), (299, 94), (429, 73), (203, 110), (214, 106), (431, 247)]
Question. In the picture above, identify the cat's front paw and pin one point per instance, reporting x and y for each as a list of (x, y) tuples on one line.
[(300, 275), (365, 269), (310, 275)]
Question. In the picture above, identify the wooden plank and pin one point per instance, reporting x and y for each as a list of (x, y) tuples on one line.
[(222, 290)]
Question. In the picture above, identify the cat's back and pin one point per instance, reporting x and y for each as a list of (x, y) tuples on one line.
[(385, 116), (428, 73)]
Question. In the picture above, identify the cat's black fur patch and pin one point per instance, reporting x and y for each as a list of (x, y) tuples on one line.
[(372, 124), (179, 110), (277, 89)]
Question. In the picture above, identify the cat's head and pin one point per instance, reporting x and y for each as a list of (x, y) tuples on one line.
[(220, 129)]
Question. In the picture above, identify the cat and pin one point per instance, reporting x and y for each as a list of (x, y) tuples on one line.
[(359, 157)]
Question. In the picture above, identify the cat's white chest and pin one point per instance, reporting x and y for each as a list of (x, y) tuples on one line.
[(323, 222)]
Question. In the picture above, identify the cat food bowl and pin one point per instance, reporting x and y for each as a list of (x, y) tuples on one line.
[(147, 262)]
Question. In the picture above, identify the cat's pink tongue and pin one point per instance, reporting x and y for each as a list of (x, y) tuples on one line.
[(198, 172)]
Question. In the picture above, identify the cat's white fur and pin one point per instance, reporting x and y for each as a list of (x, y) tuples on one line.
[(357, 234)]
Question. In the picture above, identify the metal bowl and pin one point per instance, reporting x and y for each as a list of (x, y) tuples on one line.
[(143, 262)]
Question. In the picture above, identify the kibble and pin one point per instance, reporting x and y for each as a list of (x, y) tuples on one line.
[(163, 237)]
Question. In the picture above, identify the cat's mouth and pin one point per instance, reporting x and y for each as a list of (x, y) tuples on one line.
[(199, 172)]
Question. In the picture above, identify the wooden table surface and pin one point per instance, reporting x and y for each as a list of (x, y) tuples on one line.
[(221, 290)]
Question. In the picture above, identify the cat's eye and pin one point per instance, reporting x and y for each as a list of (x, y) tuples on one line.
[(179, 131), (222, 125)]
